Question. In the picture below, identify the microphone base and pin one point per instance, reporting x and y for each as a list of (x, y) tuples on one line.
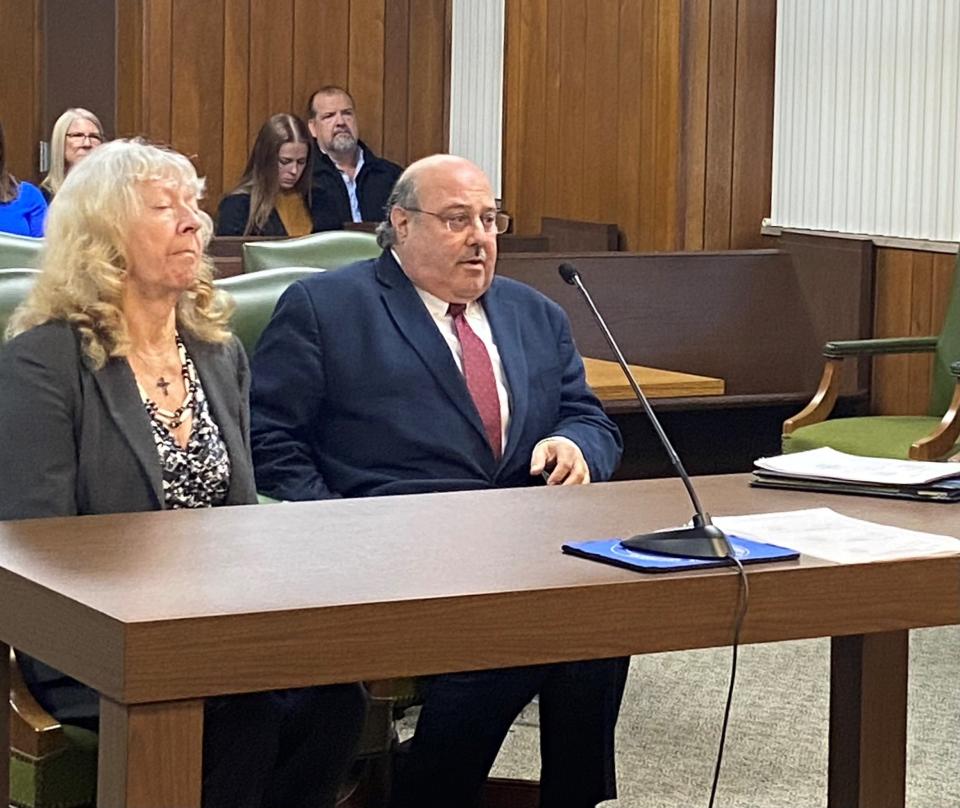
[(699, 541)]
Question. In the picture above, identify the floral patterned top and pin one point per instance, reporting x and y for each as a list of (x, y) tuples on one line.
[(197, 475)]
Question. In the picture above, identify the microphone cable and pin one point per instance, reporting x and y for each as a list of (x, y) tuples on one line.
[(743, 601)]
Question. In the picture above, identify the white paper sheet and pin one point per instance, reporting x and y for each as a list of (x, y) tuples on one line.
[(827, 463), (826, 534)]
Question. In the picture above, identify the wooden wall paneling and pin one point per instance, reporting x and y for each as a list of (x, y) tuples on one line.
[(753, 121), (21, 53), (551, 85), (720, 124), (913, 292), (895, 388), (944, 265), (321, 50), (694, 85), (157, 96), (271, 65), (649, 124), (237, 135), (921, 323), (666, 228), (631, 120), (524, 171), (198, 90), (573, 126), (130, 85), (599, 118), (513, 53), (428, 76), (366, 67), (396, 87)]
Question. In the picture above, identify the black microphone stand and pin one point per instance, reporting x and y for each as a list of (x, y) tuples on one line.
[(703, 539)]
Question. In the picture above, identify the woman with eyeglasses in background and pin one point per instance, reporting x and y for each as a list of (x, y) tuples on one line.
[(75, 134), (22, 208)]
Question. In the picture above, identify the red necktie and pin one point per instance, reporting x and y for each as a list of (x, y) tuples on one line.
[(478, 371)]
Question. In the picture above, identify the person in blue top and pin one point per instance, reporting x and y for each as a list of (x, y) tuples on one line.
[(22, 206)]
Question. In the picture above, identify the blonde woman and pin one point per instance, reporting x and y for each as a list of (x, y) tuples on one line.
[(75, 134), (122, 389)]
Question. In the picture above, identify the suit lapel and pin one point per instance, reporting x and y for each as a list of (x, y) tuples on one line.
[(505, 325), (118, 388), (417, 327)]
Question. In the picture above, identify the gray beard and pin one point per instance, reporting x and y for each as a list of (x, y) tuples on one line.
[(343, 143)]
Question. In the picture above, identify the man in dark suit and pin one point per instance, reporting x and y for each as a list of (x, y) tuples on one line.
[(421, 371), (350, 183)]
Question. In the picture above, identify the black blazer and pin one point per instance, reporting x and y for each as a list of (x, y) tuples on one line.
[(232, 218), (74, 440), (330, 204)]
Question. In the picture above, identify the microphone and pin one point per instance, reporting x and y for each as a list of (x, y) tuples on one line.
[(703, 539)]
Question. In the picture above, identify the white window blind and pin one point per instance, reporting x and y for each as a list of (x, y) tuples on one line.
[(866, 118), (476, 84)]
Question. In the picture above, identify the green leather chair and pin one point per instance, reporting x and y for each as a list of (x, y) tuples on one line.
[(917, 437), (14, 286), (330, 250), (256, 294), (19, 251)]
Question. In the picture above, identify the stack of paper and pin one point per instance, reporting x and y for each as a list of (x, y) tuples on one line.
[(829, 470), (826, 534)]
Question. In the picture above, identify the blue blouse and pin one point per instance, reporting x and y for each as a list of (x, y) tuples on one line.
[(24, 215)]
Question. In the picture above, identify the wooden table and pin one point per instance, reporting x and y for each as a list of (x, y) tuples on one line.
[(608, 382), (158, 610)]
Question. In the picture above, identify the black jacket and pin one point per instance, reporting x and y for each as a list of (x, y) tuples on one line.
[(331, 205), (232, 218)]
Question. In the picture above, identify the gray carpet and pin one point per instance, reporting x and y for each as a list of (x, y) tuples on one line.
[(776, 754)]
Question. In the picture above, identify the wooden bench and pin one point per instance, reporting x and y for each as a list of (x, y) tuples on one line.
[(758, 319)]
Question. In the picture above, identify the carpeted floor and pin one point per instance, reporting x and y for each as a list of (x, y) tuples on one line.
[(776, 754)]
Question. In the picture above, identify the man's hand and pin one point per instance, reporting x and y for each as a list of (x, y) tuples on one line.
[(563, 458)]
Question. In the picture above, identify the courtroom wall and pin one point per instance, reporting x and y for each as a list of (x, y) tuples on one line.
[(205, 76), (21, 53), (654, 114), (912, 292)]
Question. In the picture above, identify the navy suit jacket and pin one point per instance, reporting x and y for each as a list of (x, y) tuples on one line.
[(355, 391)]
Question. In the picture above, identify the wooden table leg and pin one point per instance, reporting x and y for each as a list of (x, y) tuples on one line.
[(150, 754), (868, 720), (5, 724)]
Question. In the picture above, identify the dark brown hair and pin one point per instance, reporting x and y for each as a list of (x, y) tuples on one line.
[(8, 183), (327, 89), (261, 177)]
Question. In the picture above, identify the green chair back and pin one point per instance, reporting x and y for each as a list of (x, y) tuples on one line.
[(948, 351), (15, 284), (256, 295), (329, 250), (19, 251)]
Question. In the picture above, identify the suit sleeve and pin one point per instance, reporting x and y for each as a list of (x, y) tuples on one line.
[(581, 416), (232, 215), (37, 439), (287, 396)]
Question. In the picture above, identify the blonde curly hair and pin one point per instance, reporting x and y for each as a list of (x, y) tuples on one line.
[(84, 259)]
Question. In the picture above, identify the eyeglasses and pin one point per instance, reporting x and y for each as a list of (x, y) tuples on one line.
[(492, 221), (78, 137)]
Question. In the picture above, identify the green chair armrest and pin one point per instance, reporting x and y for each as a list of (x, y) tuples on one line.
[(874, 347)]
